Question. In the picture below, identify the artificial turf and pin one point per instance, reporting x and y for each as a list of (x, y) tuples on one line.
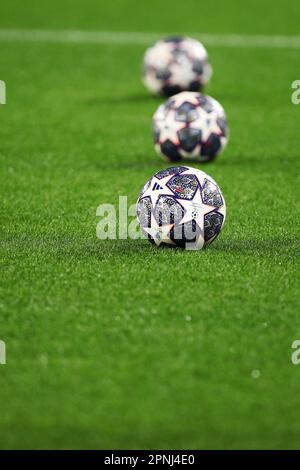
[(118, 344)]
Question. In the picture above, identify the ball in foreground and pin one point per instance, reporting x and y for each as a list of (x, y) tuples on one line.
[(175, 64), (190, 126), (181, 207)]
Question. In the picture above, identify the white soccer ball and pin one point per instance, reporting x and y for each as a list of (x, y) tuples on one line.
[(181, 207), (175, 64), (190, 126)]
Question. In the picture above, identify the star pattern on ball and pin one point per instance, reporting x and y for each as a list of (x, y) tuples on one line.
[(158, 188), (170, 128), (159, 233), (200, 175), (186, 97), (195, 209), (211, 126), (194, 225), (190, 126), (182, 72)]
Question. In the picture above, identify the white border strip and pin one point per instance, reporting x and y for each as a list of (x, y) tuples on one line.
[(111, 37)]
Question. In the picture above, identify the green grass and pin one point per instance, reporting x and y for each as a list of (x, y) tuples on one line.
[(117, 344)]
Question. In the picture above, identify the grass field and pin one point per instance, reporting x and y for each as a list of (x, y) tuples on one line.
[(117, 344)]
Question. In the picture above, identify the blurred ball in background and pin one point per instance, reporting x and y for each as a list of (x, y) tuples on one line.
[(176, 64), (190, 126)]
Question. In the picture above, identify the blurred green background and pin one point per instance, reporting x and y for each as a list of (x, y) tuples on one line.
[(191, 16)]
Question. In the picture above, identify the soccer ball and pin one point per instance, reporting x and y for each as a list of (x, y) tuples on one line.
[(181, 207), (175, 64), (190, 126)]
